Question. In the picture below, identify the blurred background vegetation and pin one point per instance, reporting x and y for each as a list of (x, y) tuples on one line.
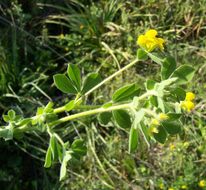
[(40, 37)]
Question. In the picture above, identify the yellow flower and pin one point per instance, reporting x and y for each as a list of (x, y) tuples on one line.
[(187, 105), (190, 96), (161, 186), (149, 41), (163, 116), (61, 36), (172, 147), (155, 122), (184, 187), (186, 144), (153, 129), (202, 183)]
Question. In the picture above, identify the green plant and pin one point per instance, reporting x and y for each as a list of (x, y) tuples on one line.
[(151, 114)]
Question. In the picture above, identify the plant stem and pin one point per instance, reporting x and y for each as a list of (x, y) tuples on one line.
[(90, 112), (112, 76), (63, 108), (101, 110)]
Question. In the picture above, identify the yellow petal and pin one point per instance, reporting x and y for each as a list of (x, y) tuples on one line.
[(190, 96), (202, 183), (141, 40), (155, 122), (160, 43), (149, 41), (153, 129), (151, 33), (187, 105), (163, 116)]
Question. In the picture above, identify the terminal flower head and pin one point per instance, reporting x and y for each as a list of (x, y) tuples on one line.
[(61, 36), (188, 103), (161, 186), (190, 96), (184, 187), (153, 129), (154, 126), (202, 183), (163, 116), (172, 147), (155, 122), (149, 41)]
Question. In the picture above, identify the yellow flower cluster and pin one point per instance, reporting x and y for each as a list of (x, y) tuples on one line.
[(188, 103), (172, 147), (156, 122), (61, 36), (171, 188), (163, 116), (184, 187), (202, 183), (149, 41), (161, 186)]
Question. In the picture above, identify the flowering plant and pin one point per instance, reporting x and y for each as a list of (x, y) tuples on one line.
[(150, 114)]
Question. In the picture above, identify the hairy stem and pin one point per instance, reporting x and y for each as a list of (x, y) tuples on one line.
[(101, 110), (90, 112)]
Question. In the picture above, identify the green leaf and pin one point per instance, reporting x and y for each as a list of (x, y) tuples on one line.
[(60, 152), (161, 136), (64, 84), (4, 133), (70, 105), (53, 146), (133, 139), (90, 81), (168, 67), (122, 118), (174, 116), (49, 117), (79, 149), (6, 118), (142, 55), (49, 107), (48, 159), (172, 127), (145, 132), (184, 74), (74, 75), (153, 101), (7, 132), (155, 58), (63, 169), (161, 105), (139, 115), (163, 84), (24, 121), (179, 93), (11, 114), (107, 105), (150, 84), (126, 93), (40, 111), (104, 118)]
